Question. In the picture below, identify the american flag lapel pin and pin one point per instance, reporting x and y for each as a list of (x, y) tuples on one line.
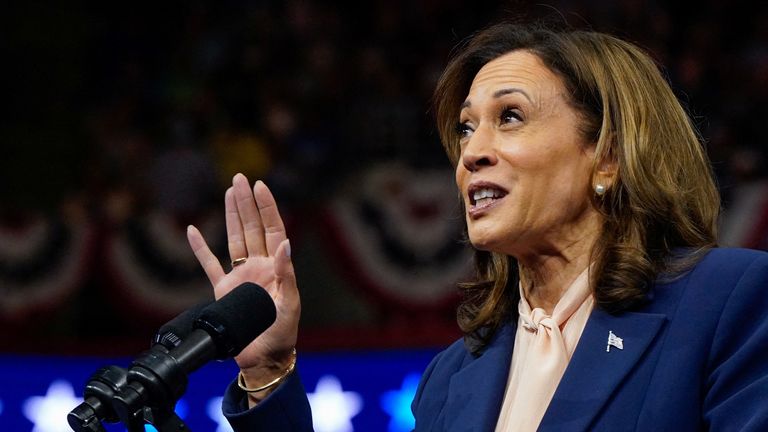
[(614, 341)]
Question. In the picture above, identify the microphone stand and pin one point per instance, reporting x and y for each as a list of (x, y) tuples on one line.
[(163, 420), (99, 390), (107, 398), (134, 414)]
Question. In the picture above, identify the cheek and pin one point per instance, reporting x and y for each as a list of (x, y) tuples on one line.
[(567, 193), (550, 185), (461, 175)]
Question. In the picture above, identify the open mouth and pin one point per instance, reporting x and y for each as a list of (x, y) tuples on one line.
[(483, 195)]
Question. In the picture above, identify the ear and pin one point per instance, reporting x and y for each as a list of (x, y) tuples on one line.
[(606, 169)]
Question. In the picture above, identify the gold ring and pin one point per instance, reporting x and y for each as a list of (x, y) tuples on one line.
[(239, 261)]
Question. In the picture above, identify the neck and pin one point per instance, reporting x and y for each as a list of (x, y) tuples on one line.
[(545, 277)]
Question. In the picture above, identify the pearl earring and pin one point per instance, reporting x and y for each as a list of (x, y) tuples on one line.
[(599, 189)]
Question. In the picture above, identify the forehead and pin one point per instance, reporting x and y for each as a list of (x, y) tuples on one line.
[(519, 69)]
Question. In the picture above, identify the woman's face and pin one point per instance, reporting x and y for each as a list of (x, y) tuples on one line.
[(524, 170)]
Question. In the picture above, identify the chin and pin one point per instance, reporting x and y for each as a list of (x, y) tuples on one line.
[(494, 240), (482, 242)]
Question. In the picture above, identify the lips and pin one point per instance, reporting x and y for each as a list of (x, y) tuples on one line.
[(483, 195)]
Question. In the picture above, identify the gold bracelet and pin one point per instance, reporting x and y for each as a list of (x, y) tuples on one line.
[(274, 382)]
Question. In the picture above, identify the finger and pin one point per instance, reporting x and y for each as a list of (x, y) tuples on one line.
[(274, 229), (284, 274), (207, 259), (253, 230), (235, 239)]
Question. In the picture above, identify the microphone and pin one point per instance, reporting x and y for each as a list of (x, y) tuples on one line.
[(109, 380), (157, 379), (171, 334)]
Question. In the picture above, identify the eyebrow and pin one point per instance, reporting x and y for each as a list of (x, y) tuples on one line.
[(499, 93)]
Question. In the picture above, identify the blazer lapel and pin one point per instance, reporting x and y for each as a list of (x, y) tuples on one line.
[(475, 392), (594, 372)]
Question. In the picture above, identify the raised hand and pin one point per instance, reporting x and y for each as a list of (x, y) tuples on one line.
[(255, 231)]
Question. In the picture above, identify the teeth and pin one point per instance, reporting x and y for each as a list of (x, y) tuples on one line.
[(485, 193)]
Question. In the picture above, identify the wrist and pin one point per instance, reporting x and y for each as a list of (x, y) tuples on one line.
[(259, 381)]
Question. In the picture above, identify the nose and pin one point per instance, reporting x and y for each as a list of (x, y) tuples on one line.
[(479, 152)]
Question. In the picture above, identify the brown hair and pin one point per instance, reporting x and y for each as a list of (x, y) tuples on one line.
[(663, 198)]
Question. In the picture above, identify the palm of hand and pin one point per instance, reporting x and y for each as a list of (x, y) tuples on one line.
[(276, 339), (255, 231)]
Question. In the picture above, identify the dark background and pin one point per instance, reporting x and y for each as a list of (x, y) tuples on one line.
[(123, 123)]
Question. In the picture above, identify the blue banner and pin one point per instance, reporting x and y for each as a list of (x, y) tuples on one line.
[(356, 391)]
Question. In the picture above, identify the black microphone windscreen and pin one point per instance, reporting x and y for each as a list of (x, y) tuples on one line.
[(171, 333), (237, 318)]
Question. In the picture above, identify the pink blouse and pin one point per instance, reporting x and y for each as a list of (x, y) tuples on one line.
[(543, 347)]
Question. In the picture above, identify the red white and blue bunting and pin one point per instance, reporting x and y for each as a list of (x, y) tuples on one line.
[(43, 262), (150, 263), (398, 231)]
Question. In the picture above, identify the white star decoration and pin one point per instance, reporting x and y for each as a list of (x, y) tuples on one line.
[(49, 413), (397, 403), (332, 408), (214, 412)]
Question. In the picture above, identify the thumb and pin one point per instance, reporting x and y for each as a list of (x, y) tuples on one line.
[(283, 265)]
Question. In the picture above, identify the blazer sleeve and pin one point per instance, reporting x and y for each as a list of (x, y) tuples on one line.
[(737, 383), (284, 410)]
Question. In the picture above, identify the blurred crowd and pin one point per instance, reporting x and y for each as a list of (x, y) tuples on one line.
[(124, 124)]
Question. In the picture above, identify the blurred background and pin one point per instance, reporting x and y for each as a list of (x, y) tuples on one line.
[(124, 123)]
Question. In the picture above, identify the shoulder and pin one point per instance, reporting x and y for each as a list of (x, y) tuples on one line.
[(742, 275), (733, 259), (704, 288), (725, 289), (465, 351), (456, 373), (737, 360), (716, 284), (725, 267), (448, 361), (435, 381)]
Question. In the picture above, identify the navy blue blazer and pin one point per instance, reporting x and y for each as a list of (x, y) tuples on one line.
[(694, 358)]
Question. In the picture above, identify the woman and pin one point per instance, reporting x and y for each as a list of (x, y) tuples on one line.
[(601, 301)]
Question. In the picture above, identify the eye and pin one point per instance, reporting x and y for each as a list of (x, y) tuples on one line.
[(464, 130), (510, 115)]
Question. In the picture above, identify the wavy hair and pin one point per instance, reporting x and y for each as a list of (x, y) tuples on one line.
[(663, 198)]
